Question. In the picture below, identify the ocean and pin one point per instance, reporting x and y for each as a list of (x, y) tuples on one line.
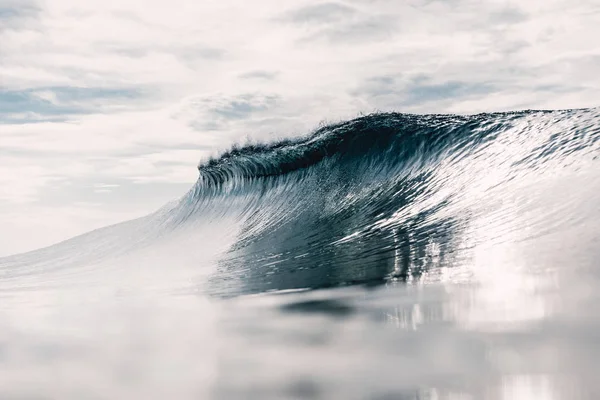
[(392, 256)]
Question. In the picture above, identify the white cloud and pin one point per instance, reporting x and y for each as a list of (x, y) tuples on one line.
[(137, 92)]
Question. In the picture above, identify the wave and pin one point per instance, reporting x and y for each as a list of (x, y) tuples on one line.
[(378, 198), (389, 196)]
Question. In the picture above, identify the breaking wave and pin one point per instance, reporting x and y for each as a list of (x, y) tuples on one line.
[(378, 198)]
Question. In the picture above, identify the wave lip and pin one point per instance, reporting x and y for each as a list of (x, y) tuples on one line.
[(403, 134)]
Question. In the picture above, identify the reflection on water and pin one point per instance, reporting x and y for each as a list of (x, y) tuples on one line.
[(419, 342), (488, 339), (528, 387)]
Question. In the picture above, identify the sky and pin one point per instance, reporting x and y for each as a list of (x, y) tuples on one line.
[(106, 107)]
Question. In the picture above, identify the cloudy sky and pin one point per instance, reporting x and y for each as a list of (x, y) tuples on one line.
[(107, 106)]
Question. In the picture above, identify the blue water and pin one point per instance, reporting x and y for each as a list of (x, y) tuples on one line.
[(391, 256)]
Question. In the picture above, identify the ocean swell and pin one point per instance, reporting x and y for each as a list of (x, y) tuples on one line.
[(381, 198), (393, 196)]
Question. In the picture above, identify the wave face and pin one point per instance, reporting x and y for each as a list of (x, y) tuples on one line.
[(396, 197), (384, 197)]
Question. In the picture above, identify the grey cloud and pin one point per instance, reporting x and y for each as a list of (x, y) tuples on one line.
[(365, 29), (416, 93), (373, 27), (198, 53), (506, 47), (13, 102), (21, 9), (464, 15), (15, 15), (495, 25), (55, 103), (319, 13), (240, 108), (216, 112), (337, 22), (554, 89), (188, 54), (139, 149), (197, 57), (378, 86), (438, 88), (30, 118), (264, 75), (507, 16), (572, 69), (391, 91), (147, 148)]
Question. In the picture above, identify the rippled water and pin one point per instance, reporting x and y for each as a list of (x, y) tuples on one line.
[(393, 256)]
